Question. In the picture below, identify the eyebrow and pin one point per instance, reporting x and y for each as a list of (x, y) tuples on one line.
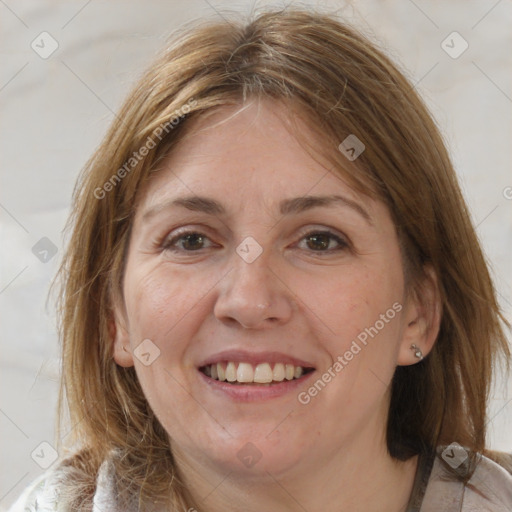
[(300, 204), (286, 207), (193, 203)]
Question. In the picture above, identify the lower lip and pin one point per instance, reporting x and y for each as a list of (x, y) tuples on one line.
[(254, 392)]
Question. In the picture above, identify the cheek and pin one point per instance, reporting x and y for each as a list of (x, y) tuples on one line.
[(353, 299), (162, 307), (359, 309), (157, 302)]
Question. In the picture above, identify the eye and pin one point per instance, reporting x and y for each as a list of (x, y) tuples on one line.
[(322, 241), (189, 241)]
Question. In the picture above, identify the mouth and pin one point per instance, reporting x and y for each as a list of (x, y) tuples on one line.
[(249, 374)]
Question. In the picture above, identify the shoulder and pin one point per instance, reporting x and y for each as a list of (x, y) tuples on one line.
[(43, 494), (70, 486), (489, 486), (37, 496), (489, 489)]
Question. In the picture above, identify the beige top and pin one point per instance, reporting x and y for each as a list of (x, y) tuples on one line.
[(435, 490), (488, 490)]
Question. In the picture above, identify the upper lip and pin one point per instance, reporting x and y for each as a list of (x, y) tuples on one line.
[(254, 358)]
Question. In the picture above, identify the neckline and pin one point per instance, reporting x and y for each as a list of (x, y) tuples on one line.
[(423, 471)]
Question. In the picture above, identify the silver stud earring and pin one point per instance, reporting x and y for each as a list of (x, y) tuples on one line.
[(417, 351)]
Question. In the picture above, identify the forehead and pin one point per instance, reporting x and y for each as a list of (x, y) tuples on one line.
[(242, 155)]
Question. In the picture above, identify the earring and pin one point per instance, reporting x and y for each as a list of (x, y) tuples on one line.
[(417, 351)]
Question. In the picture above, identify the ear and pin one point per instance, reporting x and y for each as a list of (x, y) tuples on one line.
[(422, 318), (121, 349)]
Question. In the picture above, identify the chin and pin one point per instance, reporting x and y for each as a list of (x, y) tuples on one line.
[(253, 451)]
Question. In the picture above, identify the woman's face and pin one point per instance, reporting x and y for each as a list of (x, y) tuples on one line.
[(251, 262)]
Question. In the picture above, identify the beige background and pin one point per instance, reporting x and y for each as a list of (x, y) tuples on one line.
[(54, 112)]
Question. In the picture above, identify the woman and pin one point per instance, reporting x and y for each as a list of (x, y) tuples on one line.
[(273, 297)]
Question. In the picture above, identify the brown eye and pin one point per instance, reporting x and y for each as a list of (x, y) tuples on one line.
[(322, 242), (187, 242), (318, 242), (191, 242)]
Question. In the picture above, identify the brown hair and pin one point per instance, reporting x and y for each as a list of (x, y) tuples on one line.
[(342, 85)]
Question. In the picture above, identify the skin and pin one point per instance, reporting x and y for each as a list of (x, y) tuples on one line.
[(329, 454)]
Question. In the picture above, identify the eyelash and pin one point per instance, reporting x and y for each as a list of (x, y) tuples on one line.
[(169, 244), (342, 243)]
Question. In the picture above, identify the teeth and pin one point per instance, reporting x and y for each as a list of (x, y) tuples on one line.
[(221, 374), (246, 373), (263, 373), (279, 372), (231, 372)]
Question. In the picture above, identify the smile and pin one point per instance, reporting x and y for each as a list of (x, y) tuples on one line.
[(247, 373)]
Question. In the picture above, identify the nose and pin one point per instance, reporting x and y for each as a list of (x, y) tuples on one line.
[(253, 297)]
